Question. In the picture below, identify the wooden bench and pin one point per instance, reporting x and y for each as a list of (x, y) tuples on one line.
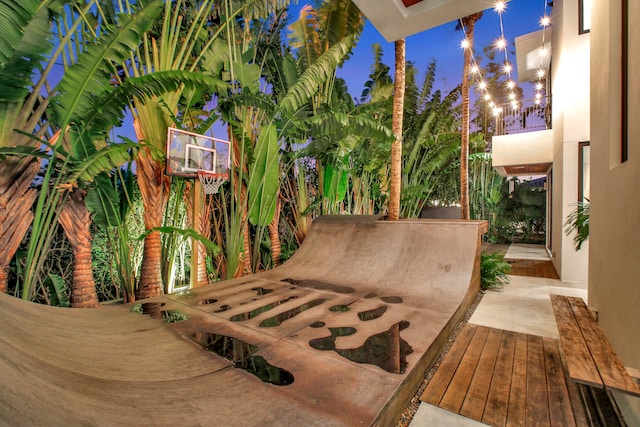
[(588, 354)]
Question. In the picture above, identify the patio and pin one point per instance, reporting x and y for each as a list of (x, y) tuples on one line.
[(507, 357)]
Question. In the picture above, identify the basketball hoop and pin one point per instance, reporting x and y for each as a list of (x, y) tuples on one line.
[(211, 182)]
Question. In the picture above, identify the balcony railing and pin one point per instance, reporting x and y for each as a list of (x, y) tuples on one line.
[(532, 115)]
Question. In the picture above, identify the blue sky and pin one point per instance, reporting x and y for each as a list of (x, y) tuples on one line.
[(441, 43)]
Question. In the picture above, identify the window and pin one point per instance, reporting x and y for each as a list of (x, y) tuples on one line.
[(584, 16), (584, 172)]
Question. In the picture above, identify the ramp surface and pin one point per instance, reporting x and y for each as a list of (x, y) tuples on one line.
[(341, 334)]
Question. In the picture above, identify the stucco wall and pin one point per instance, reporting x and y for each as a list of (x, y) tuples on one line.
[(614, 261), (570, 97)]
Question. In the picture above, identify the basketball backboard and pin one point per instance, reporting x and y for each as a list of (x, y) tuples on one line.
[(188, 153)]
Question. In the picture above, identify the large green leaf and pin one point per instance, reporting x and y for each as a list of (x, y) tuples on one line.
[(57, 288), (335, 183), (317, 73), (104, 160), (248, 75), (24, 41), (264, 178), (108, 110), (89, 78), (103, 201)]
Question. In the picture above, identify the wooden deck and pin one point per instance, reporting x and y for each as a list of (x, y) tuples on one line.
[(532, 268), (504, 378)]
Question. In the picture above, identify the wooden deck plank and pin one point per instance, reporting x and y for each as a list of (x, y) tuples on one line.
[(613, 373), (532, 268), (438, 385), (457, 390), (560, 410), (577, 404), (474, 402), (537, 408), (581, 366), (495, 411), (518, 392)]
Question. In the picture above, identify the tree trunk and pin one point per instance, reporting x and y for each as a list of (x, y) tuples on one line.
[(76, 221), (469, 22), (16, 199), (274, 234), (154, 187), (396, 147)]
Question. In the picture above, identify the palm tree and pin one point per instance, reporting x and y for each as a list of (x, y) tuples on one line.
[(24, 45), (396, 147), (469, 24)]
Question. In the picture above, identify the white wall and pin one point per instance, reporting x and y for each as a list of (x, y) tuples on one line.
[(522, 148), (570, 97), (614, 260)]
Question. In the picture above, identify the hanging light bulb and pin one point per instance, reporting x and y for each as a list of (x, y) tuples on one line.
[(538, 95), (512, 96), (487, 97), (545, 21), (482, 85), (507, 68), (514, 105), (465, 44), (492, 104), (511, 84), (501, 43), (543, 52), (500, 6), (538, 86), (475, 69), (537, 101), (540, 73)]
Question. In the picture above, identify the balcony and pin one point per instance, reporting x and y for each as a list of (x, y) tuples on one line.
[(523, 139), (535, 115)]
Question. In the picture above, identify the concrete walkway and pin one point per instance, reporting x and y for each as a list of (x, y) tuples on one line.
[(523, 306)]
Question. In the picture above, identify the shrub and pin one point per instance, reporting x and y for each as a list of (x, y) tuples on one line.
[(493, 271)]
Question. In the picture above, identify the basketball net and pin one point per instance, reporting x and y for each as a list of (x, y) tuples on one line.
[(211, 182)]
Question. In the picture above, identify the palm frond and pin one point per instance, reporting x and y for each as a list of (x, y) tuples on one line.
[(107, 111), (339, 19), (315, 75), (103, 160), (24, 41), (89, 78)]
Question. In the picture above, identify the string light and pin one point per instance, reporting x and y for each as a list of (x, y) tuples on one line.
[(500, 44), (500, 6), (545, 21)]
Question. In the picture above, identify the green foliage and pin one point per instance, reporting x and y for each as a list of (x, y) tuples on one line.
[(578, 222), (57, 291), (264, 178), (75, 90), (493, 271)]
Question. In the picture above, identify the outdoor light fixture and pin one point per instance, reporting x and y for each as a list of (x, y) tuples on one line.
[(545, 21)]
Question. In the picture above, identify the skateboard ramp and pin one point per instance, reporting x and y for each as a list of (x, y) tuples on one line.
[(341, 334)]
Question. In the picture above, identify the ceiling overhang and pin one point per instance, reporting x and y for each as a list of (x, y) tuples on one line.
[(536, 169), (396, 19)]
